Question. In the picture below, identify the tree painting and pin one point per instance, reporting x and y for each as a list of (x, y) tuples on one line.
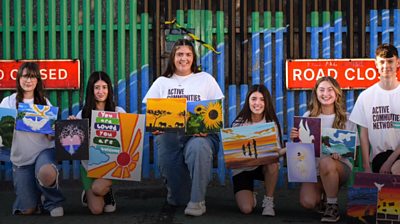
[(158, 114)]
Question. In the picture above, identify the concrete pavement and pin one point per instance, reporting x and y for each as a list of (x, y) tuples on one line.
[(145, 203)]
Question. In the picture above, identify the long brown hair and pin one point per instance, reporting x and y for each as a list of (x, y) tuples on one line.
[(90, 103), (32, 71), (315, 107), (170, 70), (269, 109)]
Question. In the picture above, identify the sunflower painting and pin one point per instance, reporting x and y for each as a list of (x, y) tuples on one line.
[(116, 146), (204, 116), (166, 114)]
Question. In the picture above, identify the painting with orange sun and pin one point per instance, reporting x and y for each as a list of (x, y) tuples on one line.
[(166, 114), (248, 146), (116, 145)]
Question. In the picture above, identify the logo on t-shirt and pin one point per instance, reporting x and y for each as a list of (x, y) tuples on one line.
[(382, 118), (180, 93)]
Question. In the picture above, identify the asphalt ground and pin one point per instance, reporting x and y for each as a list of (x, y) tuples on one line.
[(144, 202)]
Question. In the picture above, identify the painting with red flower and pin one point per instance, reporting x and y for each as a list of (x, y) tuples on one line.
[(116, 145)]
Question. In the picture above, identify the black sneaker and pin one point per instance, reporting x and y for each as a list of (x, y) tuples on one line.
[(84, 199), (109, 202), (331, 213), (321, 207)]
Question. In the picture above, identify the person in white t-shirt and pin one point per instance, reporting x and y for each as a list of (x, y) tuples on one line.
[(375, 111), (97, 194), (327, 103), (258, 108), (35, 174), (185, 162)]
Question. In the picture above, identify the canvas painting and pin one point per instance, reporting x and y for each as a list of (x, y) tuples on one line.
[(116, 146), (7, 123), (373, 180), (339, 141), (166, 114), (361, 205), (72, 139), (36, 118), (301, 162), (204, 117), (248, 146), (388, 206), (309, 132)]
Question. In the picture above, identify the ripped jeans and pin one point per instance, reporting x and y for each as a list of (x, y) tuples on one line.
[(29, 190), (185, 163)]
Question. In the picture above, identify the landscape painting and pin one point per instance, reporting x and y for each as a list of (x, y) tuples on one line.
[(72, 139), (7, 124), (301, 165), (361, 205), (116, 146), (166, 114), (36, 118), (204, 117), (388, 207), (342, 142), (247, 146), (309, 129)]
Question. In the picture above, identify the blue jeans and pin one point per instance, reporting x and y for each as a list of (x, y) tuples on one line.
[(185, 163), (29, 190)]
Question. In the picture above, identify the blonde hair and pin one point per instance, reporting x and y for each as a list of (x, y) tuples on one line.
[(315, 107)]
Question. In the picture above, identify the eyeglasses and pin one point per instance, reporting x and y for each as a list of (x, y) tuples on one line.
[(29, 76)]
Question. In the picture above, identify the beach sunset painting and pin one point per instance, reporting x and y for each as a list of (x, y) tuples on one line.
[(248, 146)]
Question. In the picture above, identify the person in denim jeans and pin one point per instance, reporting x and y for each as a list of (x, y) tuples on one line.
[(185, 162), (35, 174)]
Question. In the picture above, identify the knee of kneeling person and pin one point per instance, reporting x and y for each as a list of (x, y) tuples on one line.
[(307, 203), (246, 209), (96, 209), (47, 175), (395, 169), (100, 189)]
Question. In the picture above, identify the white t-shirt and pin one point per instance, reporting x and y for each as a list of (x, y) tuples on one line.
[(376, 109), (79, 116), (327, 122), (26, 146), (193, 87), (239, 170)]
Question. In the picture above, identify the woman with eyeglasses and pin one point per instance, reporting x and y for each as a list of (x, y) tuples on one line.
[(185, 162), (35, 174)]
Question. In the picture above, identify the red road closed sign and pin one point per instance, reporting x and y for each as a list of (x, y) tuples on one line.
[(350, 73), (56, 74)]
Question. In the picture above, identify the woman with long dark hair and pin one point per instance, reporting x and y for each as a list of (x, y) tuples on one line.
[(97, 194)]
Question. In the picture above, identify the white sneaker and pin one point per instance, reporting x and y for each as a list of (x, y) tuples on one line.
[(195, 208), (84, 199), (268, 206), (57, 212)]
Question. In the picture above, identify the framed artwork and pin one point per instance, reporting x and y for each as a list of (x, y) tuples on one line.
[(247, 146), (36, 118), (166, 114), (301, 162), (309, 132), (204, 116), (116, 146), (339, 141), (72, 139)]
